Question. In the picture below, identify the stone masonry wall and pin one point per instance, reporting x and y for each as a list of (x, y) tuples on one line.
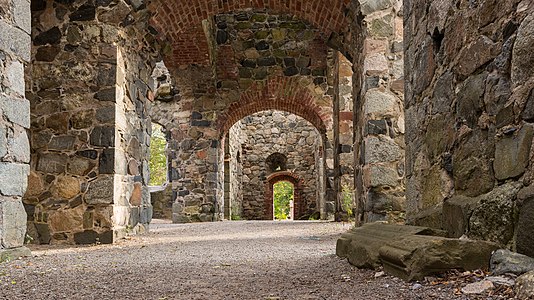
[(15, 28), (88, 87), (379, 117), (346, 130), (202, 111), (275, 132), (469, 106), (193, 144), (237, 139)]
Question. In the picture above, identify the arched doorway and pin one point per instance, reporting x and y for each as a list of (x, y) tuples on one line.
[(283, 196), (298, 202)]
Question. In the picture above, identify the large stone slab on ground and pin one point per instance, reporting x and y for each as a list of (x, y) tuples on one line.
[(360, 245), (411, 252), (414, 257), (14, 253), (505, 261)]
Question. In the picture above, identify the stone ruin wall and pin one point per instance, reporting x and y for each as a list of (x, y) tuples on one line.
[(263, 134), (469, 106), (378, 123), (15, 29), (246, 53), (236, 138), (198, 114), (193, 146), (89, 97), (346, 130)]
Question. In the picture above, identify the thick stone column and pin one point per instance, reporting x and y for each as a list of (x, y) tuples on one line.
[(379, 116), (89, 98), (195, 149), (15, 45)]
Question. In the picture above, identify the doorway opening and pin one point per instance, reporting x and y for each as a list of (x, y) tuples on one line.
[(158, 158), (283, 200)]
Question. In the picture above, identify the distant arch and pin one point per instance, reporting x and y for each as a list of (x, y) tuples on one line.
[(298, 201), (279, 93)]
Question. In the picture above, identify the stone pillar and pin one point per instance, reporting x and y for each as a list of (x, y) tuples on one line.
[(89, 94), (336, 150), (379, 116), (345, 157), (15, 45), (194, 145)]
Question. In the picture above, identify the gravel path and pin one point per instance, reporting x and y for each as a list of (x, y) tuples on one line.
[(224, 260)]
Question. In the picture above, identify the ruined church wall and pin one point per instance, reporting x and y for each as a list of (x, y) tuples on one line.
[(89, 135), (194, 145), (15, 28), (202, 110), (236, 139), (271, 132), (346, 130), (469, 100)]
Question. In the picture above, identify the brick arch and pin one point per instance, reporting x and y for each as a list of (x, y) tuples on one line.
[(279, 93), (298, 202), (180, 21)]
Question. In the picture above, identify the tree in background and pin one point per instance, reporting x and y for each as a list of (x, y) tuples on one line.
[(158, 159), (347, 201), (283, 195)]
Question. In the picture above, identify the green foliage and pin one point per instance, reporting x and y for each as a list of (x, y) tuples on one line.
[(283, 195), (315, 216), (346, 200), (236, 218), (158, 159)]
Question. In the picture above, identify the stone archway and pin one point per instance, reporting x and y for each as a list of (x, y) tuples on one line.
[(280, 93), (297, 193)]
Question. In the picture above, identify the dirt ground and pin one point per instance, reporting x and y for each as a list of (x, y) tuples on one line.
[(223, 260)]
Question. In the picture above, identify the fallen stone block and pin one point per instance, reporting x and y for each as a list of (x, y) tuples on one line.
[(505, 261), (411, 252), (360, 245), (414, 257)]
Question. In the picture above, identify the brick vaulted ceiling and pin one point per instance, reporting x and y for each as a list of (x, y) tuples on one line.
[(180, 21)]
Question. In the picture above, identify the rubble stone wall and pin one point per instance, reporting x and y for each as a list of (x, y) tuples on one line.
[(469, 110), (295, 141), (88, 88), (236, 140)]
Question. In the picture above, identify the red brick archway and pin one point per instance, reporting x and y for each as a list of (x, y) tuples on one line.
[(180, 21), (279, 93), (298, 202)]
